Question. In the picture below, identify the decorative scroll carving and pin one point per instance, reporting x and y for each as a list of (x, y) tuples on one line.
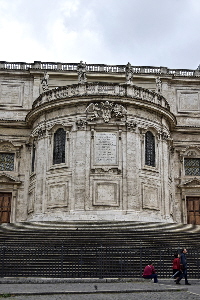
[(39, 132), (81, 70), (105, 110)]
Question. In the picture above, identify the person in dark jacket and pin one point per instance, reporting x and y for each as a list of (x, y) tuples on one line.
[(150, 272), (183, 264)]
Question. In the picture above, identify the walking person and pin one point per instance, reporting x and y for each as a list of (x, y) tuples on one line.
[(183, 264), (150, 273), (176, 266)]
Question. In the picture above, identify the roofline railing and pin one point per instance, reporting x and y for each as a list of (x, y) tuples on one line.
[(93, 68)]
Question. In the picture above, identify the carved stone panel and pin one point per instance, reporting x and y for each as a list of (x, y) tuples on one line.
[(58, 195), (188, 101), (105, 148), (106, 193), (31, 201), (150, 196), (11, 93)]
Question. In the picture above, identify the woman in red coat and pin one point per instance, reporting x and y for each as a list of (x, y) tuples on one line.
[(150, 272), (176, 265)]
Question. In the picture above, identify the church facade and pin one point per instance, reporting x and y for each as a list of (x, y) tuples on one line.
[(98, 142)]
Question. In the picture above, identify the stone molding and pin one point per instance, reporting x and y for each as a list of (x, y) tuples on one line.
[(8, 179)]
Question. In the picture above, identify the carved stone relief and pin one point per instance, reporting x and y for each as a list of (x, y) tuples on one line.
[(105, 110)]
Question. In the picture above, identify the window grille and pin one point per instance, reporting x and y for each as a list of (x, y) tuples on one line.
[(149, 149), (192, 166), (59, 146), (7, 161)]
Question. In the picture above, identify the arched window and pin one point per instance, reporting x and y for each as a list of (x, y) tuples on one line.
[(149, 149), (59, 146)]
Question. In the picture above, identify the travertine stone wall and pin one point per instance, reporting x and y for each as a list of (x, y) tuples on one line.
[(104, 176)]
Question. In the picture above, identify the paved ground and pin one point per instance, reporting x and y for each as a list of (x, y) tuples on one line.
[(100, 290)]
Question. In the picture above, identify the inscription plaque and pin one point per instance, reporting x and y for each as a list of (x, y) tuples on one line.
[(105, 148)]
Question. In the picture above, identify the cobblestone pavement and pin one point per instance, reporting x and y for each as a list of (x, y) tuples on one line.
[(165, 290), (125, 296)]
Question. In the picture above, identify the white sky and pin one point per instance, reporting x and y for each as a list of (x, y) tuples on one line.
[(142, 32)]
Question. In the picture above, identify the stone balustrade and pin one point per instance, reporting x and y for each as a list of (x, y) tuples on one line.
[(119, 90), (51, 66)]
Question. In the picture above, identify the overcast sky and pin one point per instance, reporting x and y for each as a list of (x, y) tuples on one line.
[(142, 32)]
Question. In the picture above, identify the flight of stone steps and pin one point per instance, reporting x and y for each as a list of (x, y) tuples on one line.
[(95, 249)]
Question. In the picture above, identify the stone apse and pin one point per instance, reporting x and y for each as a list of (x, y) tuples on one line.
[(97, 142)]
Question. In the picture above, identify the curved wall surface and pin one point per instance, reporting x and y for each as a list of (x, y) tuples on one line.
[(106, 172)]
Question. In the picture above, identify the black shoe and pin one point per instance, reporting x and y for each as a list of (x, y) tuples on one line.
[(177, 282), (188, 283)]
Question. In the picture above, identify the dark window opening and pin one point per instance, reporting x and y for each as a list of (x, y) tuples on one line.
[(149, 149), (59, 146), (33, 159)]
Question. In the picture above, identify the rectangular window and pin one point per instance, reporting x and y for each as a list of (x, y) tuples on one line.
[(6, 161), (192, 166)]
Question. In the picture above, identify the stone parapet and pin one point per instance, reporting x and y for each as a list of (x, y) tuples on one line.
[(98, 89), (96, 68)]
